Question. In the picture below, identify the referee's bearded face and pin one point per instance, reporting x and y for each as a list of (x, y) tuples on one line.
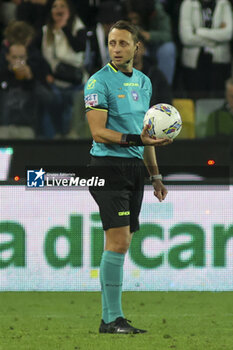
[(121, 48)]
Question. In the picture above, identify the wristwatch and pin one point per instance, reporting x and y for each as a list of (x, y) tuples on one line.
[(155, 177)]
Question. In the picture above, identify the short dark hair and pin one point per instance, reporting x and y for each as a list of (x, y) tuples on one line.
[(125, 25), (18, 32)]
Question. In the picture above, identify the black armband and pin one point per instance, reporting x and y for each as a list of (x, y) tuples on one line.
[(129, 140)]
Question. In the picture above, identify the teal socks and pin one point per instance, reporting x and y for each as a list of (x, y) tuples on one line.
[(111, 277)]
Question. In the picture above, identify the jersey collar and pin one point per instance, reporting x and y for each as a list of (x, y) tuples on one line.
[(112, 65)]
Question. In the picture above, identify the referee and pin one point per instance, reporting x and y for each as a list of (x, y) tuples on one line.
[(116, 99)]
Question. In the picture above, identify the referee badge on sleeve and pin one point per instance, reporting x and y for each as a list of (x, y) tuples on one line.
[(91, 100), (91, 84)]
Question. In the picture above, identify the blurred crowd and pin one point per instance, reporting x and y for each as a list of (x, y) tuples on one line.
[(49, 49)]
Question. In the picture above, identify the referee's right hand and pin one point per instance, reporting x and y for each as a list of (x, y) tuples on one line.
[(153, 141)]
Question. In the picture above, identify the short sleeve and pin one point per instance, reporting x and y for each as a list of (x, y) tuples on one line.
[(95, 95), (148, 86)]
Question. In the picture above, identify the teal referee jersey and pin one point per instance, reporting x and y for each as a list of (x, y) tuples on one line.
[(125, 98)]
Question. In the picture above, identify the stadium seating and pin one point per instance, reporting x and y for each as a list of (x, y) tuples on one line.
[(186, 108), (203, 107)]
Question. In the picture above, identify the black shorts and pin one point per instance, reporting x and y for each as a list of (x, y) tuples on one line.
[(120, 199)]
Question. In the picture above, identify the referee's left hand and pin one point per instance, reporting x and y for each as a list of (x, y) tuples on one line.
[(160, 190), (149, 141)]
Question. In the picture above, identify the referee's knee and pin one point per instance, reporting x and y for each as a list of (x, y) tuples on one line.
[(118, 240), (121, 248)]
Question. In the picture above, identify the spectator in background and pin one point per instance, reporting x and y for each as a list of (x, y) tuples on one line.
[(220, 122), (205, 28), (22, 33), (63, 45), (155, 27), (17, 98), (161, 91)]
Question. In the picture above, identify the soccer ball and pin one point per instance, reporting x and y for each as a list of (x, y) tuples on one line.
[(164, 121)]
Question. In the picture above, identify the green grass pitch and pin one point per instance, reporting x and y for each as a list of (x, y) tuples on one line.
[(69, 321)]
